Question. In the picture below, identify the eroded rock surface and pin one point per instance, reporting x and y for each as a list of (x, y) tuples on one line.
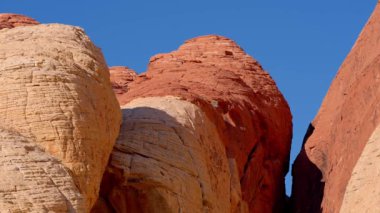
[(172, 160), (164, 159), (8, 20), (59, 119), (33, 180), (120, 78), (362, 192), (339, 161)]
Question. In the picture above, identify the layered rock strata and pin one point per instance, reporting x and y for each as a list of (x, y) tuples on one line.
[(205, 129), (338, 168), (59, 119)]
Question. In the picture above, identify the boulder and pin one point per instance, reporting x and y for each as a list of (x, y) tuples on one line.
[(59, 119)]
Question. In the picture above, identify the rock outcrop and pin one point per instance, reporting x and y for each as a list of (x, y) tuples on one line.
[(59, 118), (338, 168), (205, 129), (8, 20), (120, 78), (168, 158)]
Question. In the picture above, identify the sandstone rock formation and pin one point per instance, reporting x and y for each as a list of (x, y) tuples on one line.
[(172, 158), (362, 192), (120, 78), (8, 20), (338, 168), (59, 119), (33, 180), (205, 129)]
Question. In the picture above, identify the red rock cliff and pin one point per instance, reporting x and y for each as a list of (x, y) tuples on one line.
[(337, 170), (224, 90)]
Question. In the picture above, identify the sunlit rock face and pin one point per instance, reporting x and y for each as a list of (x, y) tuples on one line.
[(205, 129), (59, 119), (338, 168)]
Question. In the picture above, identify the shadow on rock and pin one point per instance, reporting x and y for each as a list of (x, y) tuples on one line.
[(308, 186), (133, 192)]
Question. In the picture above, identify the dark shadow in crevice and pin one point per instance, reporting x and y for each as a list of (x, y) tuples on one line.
[(308, 186)]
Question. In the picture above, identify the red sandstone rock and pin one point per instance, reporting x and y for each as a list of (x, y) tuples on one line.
[(326, 172), (120, 78), (251, 116), (8, 20)]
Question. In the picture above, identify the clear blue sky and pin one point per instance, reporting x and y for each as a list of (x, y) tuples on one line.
[(300, 43)]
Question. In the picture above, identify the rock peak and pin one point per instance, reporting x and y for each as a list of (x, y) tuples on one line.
[(212, 45), (210, 50), (208, 38)]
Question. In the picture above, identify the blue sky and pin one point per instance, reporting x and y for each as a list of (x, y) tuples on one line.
[(300, 43)]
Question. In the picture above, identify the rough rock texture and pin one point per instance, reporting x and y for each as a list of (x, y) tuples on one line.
[(169, 158), (330, 167), (120, 78), (33, 180), (235, 98), (362, 192), (8, 20), (59, 119)]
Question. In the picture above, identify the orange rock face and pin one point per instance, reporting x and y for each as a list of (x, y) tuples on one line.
[(120, 78), (251, 117), (8, 20), (337, 169)]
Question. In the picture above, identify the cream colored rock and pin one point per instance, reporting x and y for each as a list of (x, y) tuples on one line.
[(169, 158), (34, 181), (363, 190), (55, 93)]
